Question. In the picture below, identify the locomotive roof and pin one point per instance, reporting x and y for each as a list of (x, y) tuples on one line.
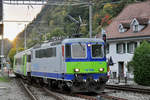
[(27, 51), (72, 40)]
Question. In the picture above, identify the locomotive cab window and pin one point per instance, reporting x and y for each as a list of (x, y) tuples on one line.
[(79, 50), (97, 51)]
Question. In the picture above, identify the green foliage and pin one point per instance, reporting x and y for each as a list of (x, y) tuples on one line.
[(4, 79), (57, 33), (53, 19), (11, 54), (141, 64)]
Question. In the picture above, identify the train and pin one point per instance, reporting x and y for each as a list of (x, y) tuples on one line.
[(74, 64)]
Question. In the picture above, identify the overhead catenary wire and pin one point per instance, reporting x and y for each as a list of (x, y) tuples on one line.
[(73, 3)]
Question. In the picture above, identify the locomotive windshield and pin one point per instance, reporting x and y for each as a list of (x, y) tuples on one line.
[(79, 50), (97, 51)]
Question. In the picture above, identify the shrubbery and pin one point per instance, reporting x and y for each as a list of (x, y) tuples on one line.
[(141, 64)]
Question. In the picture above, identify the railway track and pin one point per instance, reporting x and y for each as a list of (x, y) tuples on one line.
[(26, 88), (35, 96), (128, 88), (99, 97), (57, 97)]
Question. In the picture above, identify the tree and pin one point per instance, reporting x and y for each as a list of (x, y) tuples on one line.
[(11, 54), (57, 32), (141, 64)]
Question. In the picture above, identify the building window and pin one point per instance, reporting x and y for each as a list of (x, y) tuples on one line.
[(131, 47), (121, 29), (121, 48), (135, 28)]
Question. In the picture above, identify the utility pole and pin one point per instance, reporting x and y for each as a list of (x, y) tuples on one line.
[(90, 19), (25, 38), (1, 32)]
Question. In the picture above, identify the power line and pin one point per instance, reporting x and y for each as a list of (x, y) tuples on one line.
[(44, 3)]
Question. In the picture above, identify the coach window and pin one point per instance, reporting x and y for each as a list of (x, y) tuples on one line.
[(28, 58), (68, 51), (97, 51)]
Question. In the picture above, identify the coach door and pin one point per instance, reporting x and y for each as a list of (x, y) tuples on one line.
[(28, 63), (121, 69)]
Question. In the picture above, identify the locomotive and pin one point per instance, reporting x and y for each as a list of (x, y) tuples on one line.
[(76, 64)]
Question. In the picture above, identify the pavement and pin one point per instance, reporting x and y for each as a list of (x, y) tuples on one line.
[(6, 74), (129, 82)]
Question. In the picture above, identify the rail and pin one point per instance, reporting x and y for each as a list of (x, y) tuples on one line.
[(98, 97), (28, 90), (128, 88), (57, 97)]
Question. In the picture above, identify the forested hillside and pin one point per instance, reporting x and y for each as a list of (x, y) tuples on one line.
[(53, 21)]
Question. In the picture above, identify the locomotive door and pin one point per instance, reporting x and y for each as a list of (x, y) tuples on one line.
[(62, 70), (121, 69)]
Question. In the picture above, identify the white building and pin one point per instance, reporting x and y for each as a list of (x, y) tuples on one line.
[(124, 34)]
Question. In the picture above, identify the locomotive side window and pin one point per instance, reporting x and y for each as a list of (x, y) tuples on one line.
[(43, 53), (54, 52), (97, 51), (37, 54), (40, 54), (51, 52), (68, 50), (79, 50)]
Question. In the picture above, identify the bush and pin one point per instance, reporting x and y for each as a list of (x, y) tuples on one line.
[(141, 64)]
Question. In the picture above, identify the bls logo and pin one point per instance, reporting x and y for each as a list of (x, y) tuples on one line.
[(89, 69)]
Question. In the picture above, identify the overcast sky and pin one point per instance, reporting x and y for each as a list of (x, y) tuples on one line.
[(18, 13)]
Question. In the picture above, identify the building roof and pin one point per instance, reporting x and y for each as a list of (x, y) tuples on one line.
[(140, 11), (143, 21)]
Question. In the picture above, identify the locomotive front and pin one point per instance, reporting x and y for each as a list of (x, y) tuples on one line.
[(85, 64)]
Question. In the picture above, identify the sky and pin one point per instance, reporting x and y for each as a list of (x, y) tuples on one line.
[(18, 13)]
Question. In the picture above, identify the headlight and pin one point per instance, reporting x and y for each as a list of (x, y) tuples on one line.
[(76, 70), (89, 45), (101, 69)]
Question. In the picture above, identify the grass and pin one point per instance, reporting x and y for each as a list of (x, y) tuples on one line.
[(4, 79)]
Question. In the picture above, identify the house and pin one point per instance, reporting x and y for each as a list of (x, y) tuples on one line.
[(124, 34)]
